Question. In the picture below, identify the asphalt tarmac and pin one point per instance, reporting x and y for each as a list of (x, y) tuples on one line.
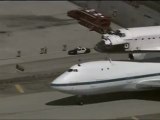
[(36, 100)]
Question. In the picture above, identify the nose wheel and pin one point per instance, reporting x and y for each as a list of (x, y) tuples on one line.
[(80, 100), (131, 57), (80, 103)]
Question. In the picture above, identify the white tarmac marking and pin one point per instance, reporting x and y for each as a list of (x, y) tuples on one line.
[(134, 118)]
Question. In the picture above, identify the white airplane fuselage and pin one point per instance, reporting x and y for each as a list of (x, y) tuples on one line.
[(138, 39), (104, 76)]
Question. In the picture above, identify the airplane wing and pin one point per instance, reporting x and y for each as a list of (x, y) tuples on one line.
[(143, 50), (148, 84), (151, 49), (157, 48)]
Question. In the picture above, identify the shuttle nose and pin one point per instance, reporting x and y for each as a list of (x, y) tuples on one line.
[(102, 47)]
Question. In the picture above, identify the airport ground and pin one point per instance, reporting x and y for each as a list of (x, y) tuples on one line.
[(27, 94)]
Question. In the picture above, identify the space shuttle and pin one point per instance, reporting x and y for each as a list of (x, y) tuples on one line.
[(124, 40), (131, 40)]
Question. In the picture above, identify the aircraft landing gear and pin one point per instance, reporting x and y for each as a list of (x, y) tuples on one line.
[(80, 103), (80, 100), (131, 57)]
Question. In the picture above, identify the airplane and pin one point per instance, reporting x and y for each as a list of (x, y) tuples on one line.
[(130, 40), (98, 77)]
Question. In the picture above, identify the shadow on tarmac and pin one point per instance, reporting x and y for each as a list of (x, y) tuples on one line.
[(152, 95)]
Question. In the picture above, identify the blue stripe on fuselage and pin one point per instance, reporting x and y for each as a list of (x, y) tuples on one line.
[(106, 81)]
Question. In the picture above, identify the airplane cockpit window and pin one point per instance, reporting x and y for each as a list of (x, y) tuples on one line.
[(111, 32), (72, 70), (107, 40), (117, 32)]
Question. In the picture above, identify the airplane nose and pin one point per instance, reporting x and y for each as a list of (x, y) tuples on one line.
[(61, 84), (57, 84)]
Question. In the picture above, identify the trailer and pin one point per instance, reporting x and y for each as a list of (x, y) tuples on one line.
[(91, 19)]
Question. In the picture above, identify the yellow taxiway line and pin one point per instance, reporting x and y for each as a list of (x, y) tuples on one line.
[(19, 88)]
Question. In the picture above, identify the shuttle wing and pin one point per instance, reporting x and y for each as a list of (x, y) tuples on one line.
[(153, 49), (148, 84)]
